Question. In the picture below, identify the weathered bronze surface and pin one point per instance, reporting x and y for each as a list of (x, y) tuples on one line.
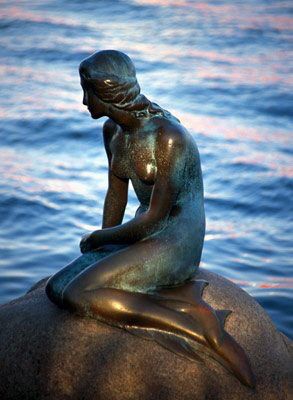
[(139, 275)]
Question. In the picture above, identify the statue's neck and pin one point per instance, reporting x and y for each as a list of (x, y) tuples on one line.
[(125, 119), (135, 118)]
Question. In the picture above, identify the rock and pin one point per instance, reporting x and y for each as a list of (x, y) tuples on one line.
[(48, 353)]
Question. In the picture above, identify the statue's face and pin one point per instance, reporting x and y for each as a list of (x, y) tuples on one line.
[(95, 106)]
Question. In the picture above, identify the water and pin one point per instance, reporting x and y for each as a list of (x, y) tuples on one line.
[(222, 67)]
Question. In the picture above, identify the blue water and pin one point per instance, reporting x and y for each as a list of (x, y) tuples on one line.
[(222, 67)]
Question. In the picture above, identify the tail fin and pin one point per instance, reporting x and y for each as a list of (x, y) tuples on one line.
[(212, 341)]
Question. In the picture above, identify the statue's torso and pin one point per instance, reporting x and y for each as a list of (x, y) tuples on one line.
[(139, 156), (134, 156)]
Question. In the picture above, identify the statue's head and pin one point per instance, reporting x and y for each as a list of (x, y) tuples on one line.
[(112, 76)]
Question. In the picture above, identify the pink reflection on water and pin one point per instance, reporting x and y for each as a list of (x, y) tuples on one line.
[(272, 283), (227, 128), (25, 15), (172, 3), (18, 171), (221, 229), (212, 55), (265, 160), (242, 75), (244, 16), (179, 54), (23, 73), (35, 184), (32, 93)]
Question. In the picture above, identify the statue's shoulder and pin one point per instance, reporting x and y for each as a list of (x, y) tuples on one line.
[(109, 129), (171, 131)]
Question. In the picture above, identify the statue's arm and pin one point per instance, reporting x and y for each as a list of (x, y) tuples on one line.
[(115, 201), (117, 193), (170, 161)]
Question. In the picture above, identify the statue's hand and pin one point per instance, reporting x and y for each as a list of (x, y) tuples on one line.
[(86, 244), (91, 241)]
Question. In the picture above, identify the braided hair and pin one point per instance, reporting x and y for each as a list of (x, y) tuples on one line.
[(112, 76)]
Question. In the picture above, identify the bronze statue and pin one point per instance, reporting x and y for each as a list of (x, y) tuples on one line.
[(138, 275)]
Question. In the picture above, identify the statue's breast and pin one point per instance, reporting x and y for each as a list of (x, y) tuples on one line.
[(134, 159), (145, 168), (143, 160)]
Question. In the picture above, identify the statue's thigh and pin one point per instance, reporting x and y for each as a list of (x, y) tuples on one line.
[(141, 267)]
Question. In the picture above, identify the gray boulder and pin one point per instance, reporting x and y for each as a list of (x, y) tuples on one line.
[(48, 353)]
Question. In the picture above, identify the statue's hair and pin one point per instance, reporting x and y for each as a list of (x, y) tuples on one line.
[(113, 78)]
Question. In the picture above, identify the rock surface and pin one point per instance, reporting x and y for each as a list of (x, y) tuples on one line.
[(47, 353)]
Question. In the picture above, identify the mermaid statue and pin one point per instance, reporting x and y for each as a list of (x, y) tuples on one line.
[(141, 275)]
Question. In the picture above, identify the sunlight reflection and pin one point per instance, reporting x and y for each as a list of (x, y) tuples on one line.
[(85, 227), (221, 229), (265, 160), (243, 15), (228, 128), (279, 283), (18, 170), (25, 15), (249, 75), (174, 3)]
